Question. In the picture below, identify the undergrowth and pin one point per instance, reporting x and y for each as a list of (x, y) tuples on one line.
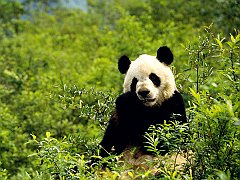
[(74, 119), (209, 142)]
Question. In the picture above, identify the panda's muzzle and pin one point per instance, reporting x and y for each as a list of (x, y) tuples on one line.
[(144, 94), (145, 97)]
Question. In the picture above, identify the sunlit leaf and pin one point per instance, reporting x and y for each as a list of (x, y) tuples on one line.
[(219, 43), (48, 134), (130, 174), (195, 95), (232, 38)]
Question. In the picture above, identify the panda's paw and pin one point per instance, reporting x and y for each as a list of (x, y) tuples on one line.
[(127, 101)]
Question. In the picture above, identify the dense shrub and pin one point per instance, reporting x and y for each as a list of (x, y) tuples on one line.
[(59, 81)]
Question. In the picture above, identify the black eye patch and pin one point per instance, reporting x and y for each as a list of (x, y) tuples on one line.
[(134, 84), (155, 79)]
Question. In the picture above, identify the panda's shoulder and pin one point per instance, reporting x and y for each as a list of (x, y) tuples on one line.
[(174, 99), (128, 102), (176, 94)]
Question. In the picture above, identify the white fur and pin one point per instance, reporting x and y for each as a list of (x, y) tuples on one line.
[(141, 68)]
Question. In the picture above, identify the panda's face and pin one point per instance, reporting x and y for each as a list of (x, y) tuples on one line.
[(151, 80)]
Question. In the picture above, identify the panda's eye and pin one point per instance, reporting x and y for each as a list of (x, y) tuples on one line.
[(134, 84), (155, 79)]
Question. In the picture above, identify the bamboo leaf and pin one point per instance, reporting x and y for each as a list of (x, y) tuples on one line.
[(232, 39), (48, 134), (219, 43), (195, 95), (130, 174)]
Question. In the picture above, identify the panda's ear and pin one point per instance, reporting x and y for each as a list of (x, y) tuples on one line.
[(165, 55), (123, 64)]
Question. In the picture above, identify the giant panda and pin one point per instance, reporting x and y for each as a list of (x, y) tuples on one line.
[(150, 96)]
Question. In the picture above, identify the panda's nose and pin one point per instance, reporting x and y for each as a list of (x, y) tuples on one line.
[(143, 93)]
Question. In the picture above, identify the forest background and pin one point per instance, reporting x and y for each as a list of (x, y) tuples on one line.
[(59, 81)]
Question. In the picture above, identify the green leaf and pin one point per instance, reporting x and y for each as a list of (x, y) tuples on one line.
[(115, 175), (130, 174), (230, 44), (48, 134), (195, 95), (34, 137), (232, 39), (230, 108), (237, 38), (219, 43)]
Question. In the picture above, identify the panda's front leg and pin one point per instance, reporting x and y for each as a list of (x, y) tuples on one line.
[(113, 140), (119, 130)]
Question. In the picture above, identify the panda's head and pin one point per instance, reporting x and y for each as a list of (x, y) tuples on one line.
[(150, 77)]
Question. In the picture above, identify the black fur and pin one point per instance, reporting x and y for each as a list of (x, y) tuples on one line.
[(123, 64), (155, 79), (134, 84), (132, 119), (164, 54)]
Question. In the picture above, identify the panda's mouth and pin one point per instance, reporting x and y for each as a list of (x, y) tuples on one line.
[(148, 100)]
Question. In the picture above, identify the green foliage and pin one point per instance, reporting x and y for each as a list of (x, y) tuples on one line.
[(167, 137), (59, 156), (215, 135), (87, 106), (58, 74)]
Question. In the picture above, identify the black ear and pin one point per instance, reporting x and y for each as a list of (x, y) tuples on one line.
[(164, 54), (123, 64)]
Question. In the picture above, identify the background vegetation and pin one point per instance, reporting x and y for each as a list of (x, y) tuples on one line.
[(59, 81)]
